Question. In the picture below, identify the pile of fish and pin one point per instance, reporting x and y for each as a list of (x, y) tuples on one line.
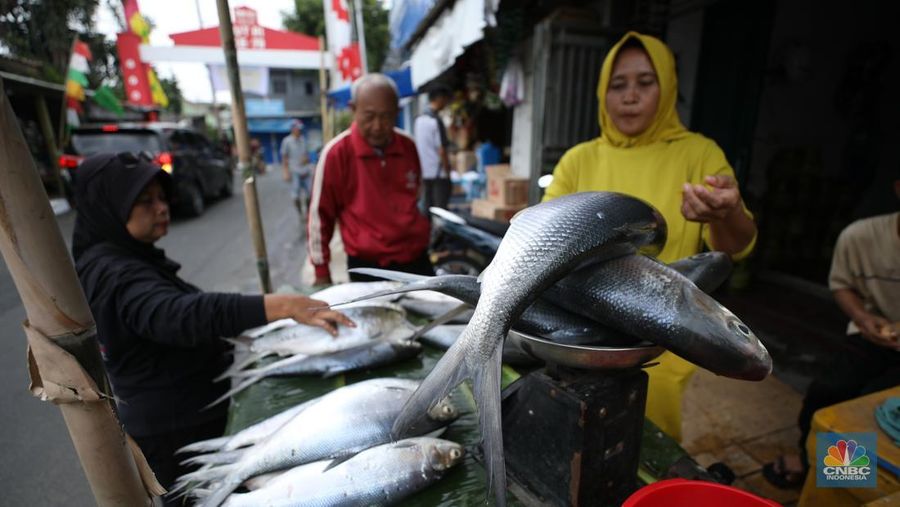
[(579, 270), (382, 336), (333, 450)]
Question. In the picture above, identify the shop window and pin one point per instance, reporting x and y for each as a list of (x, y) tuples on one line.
[(309, 87), (279, 85)]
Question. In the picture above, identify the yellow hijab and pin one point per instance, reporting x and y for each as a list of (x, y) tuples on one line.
[(666, 124)]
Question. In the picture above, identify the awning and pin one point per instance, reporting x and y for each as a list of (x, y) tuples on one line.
[(341, 96), (457, 28)]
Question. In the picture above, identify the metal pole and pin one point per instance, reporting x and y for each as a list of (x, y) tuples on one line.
[(63, 353), (323, 92), (361, 36), (242, 140)]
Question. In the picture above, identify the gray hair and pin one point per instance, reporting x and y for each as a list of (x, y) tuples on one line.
[(375, 79)]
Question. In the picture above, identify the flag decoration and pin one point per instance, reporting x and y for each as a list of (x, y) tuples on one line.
[(141, 84), (345, 52), (105, 98), (76, 80)]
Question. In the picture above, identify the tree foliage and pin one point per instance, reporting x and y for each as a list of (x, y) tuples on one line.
[(309, 18), (43, 30)]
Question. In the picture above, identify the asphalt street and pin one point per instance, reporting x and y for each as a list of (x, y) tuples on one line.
[(39, 466)]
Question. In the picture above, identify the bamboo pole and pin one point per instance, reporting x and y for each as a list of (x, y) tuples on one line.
[(64, 356), (323, 92), (242, 140)]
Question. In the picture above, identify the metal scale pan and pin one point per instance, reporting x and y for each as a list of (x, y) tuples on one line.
[(586, 357)]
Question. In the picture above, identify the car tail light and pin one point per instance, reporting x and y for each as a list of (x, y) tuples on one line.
[(164, 160), (69, 161), (110, 128)]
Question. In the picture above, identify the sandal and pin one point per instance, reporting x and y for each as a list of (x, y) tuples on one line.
[(778, 475)]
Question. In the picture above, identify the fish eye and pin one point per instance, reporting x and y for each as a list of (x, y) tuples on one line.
[(741, 328), (455, 453)]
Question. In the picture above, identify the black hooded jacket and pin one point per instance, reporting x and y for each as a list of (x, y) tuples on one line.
[(160, 336)]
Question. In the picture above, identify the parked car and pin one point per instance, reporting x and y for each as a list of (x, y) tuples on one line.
[(201, 171)]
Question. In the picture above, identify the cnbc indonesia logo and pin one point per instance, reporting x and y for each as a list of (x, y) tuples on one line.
[(846, 462)]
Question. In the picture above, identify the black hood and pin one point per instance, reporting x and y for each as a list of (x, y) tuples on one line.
[(106, 187)]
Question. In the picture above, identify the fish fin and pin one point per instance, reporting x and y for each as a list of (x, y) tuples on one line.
[(264, 371), (446, 375), (240, 342), (237, 367), (419, 283), (389, 274), (206, 475), (437, 433), (212, 444), (487, 397), (338, 460), (440, 320), (234, 390)]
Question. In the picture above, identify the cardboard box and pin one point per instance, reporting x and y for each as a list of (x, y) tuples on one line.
[(484, 208), (505, 189), (465, 161)]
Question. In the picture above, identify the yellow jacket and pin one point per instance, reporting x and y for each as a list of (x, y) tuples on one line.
[(652, 166)]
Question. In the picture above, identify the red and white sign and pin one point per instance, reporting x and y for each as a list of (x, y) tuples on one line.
[(248, 34), (134, 71), (348, 65)]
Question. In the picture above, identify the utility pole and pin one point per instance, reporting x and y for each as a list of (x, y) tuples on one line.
[(64, 360), (242, 140), (212, 86), (323, 93)]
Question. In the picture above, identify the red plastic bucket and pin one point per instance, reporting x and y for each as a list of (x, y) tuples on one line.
[(685, 493)]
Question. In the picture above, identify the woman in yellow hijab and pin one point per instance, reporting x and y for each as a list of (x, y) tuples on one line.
[(645, 151)]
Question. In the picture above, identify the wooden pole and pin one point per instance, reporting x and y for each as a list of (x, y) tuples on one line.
[(242, 140), (323, 92), (43, 114), (64, 356)]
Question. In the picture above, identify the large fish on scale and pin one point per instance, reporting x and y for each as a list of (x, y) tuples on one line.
[(544, 318), (341, 423), (543, 244), (643, 297)]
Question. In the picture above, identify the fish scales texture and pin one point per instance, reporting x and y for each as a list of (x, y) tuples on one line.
[(340, 423), (645, 298), (381, 475), (543, 243)]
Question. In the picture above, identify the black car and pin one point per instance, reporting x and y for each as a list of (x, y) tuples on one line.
[(201, 171)]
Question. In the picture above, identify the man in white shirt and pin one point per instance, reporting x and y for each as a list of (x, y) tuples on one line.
[(295, 165), (431, 144)]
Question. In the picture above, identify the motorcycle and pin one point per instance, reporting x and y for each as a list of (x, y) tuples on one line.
[(463, 245)]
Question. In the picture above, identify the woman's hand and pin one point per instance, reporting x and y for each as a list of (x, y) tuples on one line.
[(304, 310), (702, 204)]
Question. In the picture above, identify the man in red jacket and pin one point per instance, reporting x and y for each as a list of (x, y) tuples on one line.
[(368, 179)]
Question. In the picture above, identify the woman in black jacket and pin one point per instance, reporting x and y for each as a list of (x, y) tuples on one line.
[(160, 336)]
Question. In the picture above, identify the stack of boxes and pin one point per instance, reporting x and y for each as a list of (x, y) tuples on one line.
[(506, 194)]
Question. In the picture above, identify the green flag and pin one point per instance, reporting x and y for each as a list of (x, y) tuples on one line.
[(105, 98)]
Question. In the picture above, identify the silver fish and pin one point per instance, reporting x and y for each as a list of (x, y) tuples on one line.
[(382, 475), (543, 243), (341, 423), (249, 435), (708, 270), (376, 320), (373, 354), (541, 318), (345, 291), (443, 337), (646, 298)]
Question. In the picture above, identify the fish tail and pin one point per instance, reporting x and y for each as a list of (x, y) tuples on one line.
[(440, 321), (487, 398), (238, 366), (199, 478), (234, 390), (215, 458), (223, 489), (213, 444), (446, 375)]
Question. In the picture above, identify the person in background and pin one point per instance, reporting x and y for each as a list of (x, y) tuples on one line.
[(368, 178), (295, 165), (160, 336), (865, 282), (645, 151), (431, 145)]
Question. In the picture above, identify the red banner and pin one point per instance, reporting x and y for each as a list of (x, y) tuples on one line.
[(134, 71)]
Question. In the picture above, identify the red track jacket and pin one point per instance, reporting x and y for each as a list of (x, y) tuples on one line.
[(375, 198)]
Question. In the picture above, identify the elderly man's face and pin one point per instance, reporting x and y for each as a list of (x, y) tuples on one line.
[(375, 112)]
